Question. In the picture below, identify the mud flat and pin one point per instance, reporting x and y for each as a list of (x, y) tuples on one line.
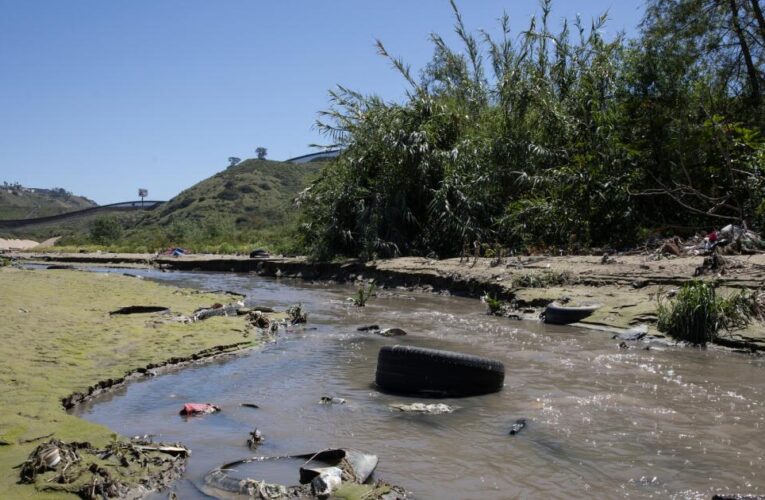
[(59, 345), (628, 286)]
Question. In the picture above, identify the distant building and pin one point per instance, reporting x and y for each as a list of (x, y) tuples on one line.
[(321, 156)]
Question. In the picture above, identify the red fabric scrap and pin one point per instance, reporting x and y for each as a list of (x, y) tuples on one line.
[(199, 408)]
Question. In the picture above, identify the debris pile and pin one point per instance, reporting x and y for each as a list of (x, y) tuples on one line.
[(340, 472), (259, 320), (730, 240), (120, 470), (296, 314)]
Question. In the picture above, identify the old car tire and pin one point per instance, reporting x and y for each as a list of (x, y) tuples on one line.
[(560, 314), (420, 371)]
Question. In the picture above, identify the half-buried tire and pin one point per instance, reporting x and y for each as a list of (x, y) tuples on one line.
[(418, 371)]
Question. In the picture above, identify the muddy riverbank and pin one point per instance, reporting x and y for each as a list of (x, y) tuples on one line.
[(60, 346), (600, 421), (629, 287)]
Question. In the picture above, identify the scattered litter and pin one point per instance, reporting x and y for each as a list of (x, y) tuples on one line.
[(259, 320), (145, 437), (434, 409), (321, 474), (329, 400), (671, 247), (367, 328), (255, 439), (171, 450), (204, 313), (175, 252), (78, 469), (633, 334), (296, 314), (259, 253), (607, 259), (731, 239), (328, 480), (517, 427), (713, 263), (190, 409), (742, 240)]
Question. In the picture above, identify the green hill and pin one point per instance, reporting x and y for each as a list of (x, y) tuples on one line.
[(253, 194), (248, 205), (245, 205), (19, 202)]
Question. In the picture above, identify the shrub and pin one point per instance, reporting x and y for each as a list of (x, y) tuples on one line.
[(105, 230), (698, 314)]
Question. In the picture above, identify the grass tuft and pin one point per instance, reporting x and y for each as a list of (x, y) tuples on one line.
[(363, 296), (496, 306), (698, 314)]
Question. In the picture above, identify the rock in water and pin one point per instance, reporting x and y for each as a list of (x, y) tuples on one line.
[(391, 332)]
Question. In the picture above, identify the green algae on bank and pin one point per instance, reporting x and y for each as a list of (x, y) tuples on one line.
[(57, 338)]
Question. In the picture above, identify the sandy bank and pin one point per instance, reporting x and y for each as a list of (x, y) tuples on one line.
[(628, 286), (12, 244)]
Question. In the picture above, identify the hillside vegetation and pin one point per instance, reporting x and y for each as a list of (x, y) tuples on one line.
[(250, 204), (552, 137), (19, 202)]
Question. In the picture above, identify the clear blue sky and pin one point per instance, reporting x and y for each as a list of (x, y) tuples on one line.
[(102, 97)]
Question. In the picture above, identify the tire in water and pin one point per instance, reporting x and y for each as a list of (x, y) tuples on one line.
[(419, 371)]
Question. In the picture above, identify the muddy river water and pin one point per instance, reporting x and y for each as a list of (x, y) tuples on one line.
[(602, 422)]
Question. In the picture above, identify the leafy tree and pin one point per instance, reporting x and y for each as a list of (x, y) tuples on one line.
[(724, 38), (552, 138), (261, 152)]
